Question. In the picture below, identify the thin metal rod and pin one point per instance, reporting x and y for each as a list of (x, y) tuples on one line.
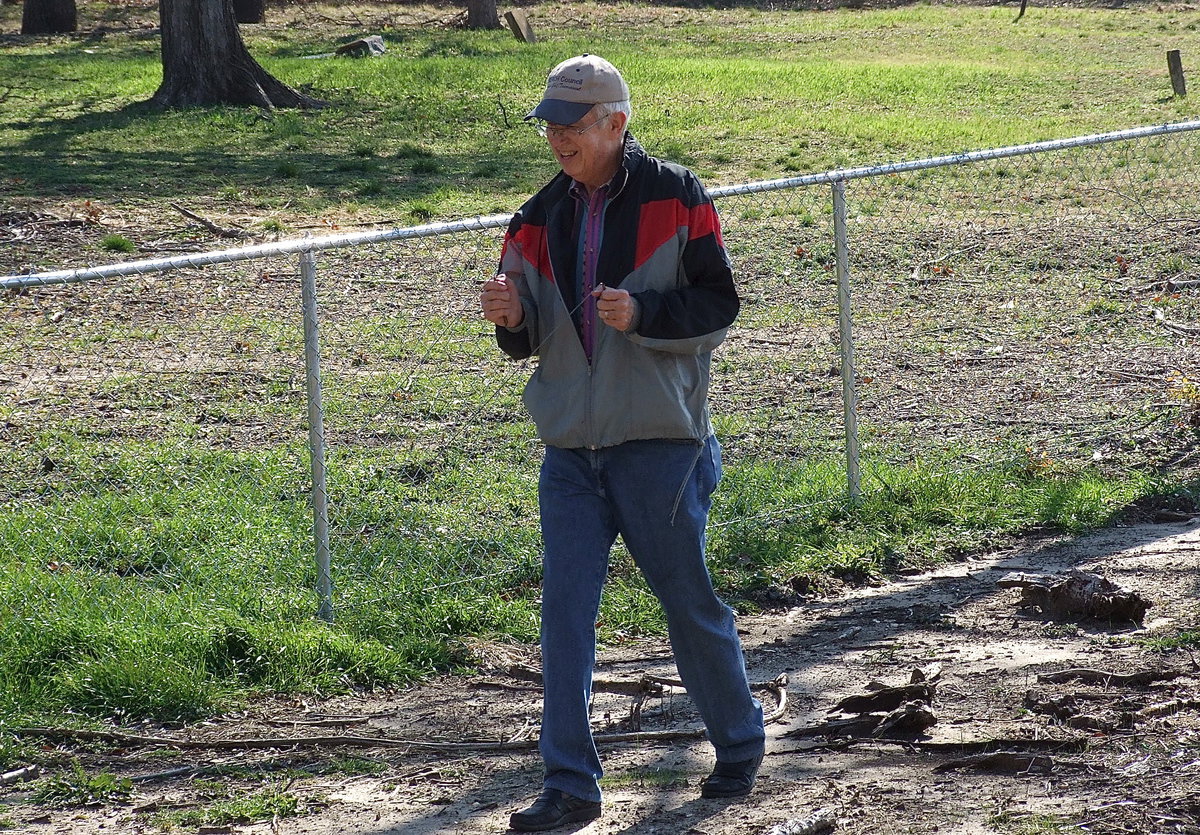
[(249, 253), (956, 159), (846, 339), (316, 435)]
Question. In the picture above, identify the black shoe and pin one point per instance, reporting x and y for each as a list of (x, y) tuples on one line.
[(731, 779), (553, 809)]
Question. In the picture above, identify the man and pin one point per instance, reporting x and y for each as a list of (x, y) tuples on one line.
[(614, 274)]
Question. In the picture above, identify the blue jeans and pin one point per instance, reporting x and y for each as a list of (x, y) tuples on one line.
[(656, 495)]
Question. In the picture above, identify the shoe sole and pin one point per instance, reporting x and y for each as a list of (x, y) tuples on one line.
[(720, 795), (571, 817)]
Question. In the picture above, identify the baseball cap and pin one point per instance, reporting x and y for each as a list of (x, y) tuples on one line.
[(575, 86)]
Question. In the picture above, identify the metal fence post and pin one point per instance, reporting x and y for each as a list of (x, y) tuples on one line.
[(316, 434), (846, 339)]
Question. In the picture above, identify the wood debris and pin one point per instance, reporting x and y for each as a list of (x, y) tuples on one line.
[(20, 775), (1077, 593), (884, 711), (1109, 679), (814, 824), (219, 231), (1009, 762), (886, 698), (912, 718)]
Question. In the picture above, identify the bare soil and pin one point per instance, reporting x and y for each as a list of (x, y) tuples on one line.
[(454, 755)]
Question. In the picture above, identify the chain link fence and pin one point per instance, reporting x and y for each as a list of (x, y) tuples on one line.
[(1040, 304)]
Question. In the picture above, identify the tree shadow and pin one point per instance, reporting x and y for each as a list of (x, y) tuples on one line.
[(48, 161)]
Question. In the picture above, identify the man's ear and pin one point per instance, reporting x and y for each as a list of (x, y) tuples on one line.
[(618, 121)]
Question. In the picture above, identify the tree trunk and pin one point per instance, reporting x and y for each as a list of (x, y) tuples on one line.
[(205, 61), (481, 14), (45, 17), (249, 11)]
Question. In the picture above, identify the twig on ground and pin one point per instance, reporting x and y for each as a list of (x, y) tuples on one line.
[(320, 723), (219, 231), (347, 741), (778, 686), (182, 771), (1173, 327)]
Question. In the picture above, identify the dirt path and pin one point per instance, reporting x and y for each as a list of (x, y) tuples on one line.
[(1119, 771)]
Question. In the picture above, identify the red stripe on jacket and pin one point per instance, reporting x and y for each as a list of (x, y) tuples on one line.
[(534, 247), (661, 219)]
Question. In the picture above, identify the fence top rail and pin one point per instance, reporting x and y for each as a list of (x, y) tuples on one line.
[(314, 244), (955, 159)]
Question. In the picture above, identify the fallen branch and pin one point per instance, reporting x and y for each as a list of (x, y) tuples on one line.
[(219, 231), (319, 723), (933, 747), (181, 771), (347, 741), (778, 687), (1088, 676), (1167, 708), (886, 698), (20, 775), (646, 685), (1183, 330), (854, 727), (1168, 285), (653, 685), (1009, 761)]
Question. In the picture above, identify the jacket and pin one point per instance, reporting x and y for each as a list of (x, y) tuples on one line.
[(661, 242)]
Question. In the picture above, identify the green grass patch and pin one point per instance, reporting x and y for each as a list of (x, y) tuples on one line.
[(159, 582), (79, 788), (654, 778), (935, 79), (117, 243), (1182, 640), (1011, 823), (792, 528), (263, 805)]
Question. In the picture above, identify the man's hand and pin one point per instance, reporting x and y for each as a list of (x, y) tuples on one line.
[(616, 308), (501, 303)]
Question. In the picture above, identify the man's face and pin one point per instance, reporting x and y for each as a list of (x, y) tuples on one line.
[(593, 155)]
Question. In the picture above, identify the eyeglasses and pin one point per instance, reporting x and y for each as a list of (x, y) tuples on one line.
[(544, 129)]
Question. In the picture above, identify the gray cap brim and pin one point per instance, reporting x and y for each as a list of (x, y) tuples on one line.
[(560, 112)]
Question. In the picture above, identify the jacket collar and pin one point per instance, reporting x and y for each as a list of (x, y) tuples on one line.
[(632, 158)]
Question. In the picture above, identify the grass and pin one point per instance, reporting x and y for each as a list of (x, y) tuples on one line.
[(1184, 639), (164, 574), (1031, 824), (79, 788), (264, 805), (654, 778), (142, 571), (922, 514), (772, 86)]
